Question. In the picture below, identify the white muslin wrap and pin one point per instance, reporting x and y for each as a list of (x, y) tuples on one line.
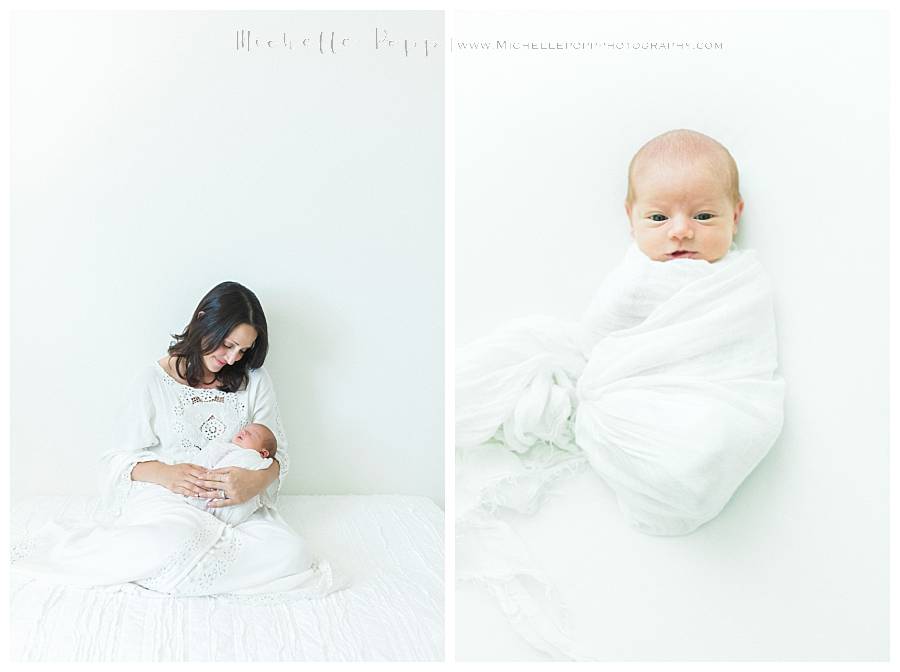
[(667, 388)]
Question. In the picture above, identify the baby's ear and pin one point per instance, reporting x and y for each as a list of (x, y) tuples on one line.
[(738, 210), (265, 453)]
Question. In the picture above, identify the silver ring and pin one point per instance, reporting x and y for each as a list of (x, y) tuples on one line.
[(222, 494)]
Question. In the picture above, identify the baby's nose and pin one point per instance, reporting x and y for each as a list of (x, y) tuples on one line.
[(681, 229)]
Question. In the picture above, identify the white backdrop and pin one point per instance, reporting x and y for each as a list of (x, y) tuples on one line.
[(152, 159), (797, 565)]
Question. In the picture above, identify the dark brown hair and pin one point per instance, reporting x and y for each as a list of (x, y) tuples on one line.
[(225, 307)]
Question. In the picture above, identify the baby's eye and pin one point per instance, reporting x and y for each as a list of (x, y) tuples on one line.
[(703, 216), (657, 217)]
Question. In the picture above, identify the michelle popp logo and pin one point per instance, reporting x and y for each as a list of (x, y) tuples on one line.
[(334, 43)]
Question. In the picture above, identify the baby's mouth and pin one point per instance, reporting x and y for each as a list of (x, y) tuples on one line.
[(682, 253)]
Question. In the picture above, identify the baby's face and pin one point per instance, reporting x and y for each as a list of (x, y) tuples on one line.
[(682, 213), (253, 437)]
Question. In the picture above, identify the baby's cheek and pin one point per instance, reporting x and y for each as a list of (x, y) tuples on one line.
[(648, 247)]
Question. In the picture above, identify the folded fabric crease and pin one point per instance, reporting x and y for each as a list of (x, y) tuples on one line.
[(668, 388)]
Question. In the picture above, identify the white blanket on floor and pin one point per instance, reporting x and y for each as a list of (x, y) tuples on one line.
[(389, 546), (667, 388)]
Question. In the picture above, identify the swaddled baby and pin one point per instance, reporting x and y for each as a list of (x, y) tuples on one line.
[(668, 388), (683, 203), (251, 448)]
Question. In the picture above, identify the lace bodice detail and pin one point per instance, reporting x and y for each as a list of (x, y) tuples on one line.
[(200, 416)]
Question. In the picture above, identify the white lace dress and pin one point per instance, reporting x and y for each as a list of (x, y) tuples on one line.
[(145, 535)]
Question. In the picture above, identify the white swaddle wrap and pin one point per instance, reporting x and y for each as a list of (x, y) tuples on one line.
[(220, 453), (667, 389)]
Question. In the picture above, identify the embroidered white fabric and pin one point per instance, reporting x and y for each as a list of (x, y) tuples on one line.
[(146, 535), (390, 547), (667, 388)]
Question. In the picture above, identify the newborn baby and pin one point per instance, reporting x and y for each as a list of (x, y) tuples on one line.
[(683, 200), (667, 388), (683, 203), (251, 448)]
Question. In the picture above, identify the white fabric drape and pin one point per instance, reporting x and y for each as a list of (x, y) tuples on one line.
[(667, 388)]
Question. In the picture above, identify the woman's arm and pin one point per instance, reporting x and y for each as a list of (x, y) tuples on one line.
[(149, 472), (133, 442), (271, 472), (242, 484), (265, 412)]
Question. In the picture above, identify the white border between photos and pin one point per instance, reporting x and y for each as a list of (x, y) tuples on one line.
[(449, 295), (449, 350)]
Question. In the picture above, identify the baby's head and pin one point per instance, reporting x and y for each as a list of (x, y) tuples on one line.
[(256, 437), (683, 199)]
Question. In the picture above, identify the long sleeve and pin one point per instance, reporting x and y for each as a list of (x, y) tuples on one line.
[(132, 438), (264, 410)]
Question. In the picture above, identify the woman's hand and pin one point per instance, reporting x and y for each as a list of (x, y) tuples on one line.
[(236, 484), (185, 479), (182, 479)]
